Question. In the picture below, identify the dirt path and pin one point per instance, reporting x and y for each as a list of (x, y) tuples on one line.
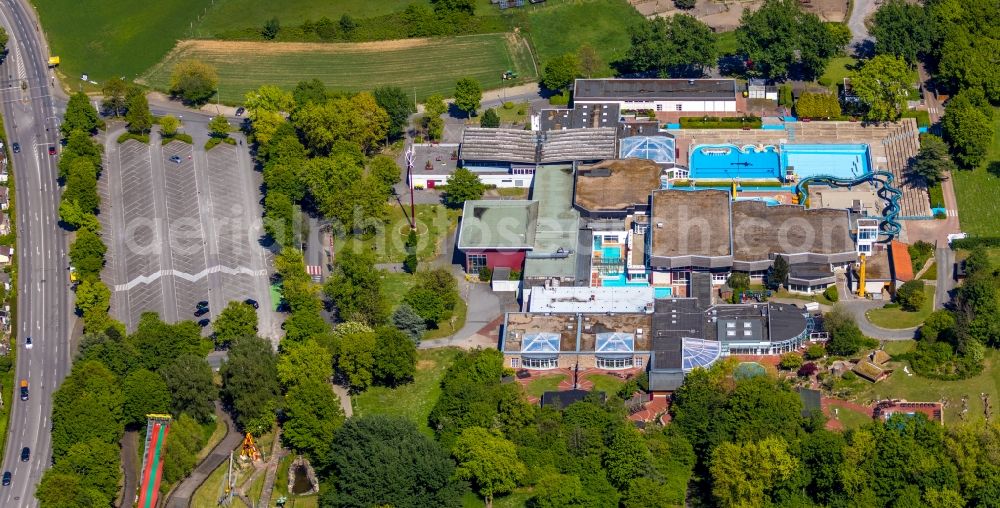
[(130, 459), (345, 400)]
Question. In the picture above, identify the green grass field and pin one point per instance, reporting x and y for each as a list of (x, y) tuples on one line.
[(114, 37), (931, 272), (725, 42), (899, 318), (558, 27), (389, 245), (978, 191), (414, 400), (419, 66), (607, 384), (918, 389), (545, 384), (837, 70)]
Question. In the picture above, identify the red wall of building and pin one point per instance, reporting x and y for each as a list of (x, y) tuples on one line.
[(500, 259)]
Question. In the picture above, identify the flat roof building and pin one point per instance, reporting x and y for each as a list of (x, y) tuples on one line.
[(496, 233), (615, 188), (649, 90), (587, 116), (760, 232), (690, 229)]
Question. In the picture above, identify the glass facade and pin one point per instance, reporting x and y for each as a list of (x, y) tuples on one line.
[(614, 363), (476, 261), (540, 363)]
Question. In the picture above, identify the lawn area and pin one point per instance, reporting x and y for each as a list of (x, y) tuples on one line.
[(725, 42), (851, 419), (919, 389), (226, 15), (604, 383), (545, 384), (114, 37), (415, 400), (455, 324), (818, 298), (931, 272), (899, 318), (557, 27), (978, 191), (836, 71), (209, 492), (388, 243), (395, 285), (419, 66), (214, 432)]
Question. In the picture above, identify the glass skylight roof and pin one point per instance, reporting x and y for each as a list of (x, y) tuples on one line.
[(543, 342), (615, 342), (700, 353), (655, 148)]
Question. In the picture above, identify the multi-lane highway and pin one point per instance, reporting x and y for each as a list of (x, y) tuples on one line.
[(44, 297)]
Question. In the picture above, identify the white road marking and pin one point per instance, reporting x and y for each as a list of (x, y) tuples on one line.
[(146, 279)]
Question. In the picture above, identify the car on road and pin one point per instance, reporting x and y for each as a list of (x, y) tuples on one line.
[(17, 147), (240, 110), (27, 343), (24, 389), (203, 323), (201, 312), (176, 159), (52, 150), (6, 478), (251, 302), (25, 454)]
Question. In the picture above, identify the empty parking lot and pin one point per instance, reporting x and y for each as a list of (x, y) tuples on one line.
[(182, 225)]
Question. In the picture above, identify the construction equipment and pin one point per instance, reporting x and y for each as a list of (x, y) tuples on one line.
[(861, 277), (249, 448)]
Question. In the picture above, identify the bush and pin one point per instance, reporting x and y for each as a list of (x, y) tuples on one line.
[(830, 293), (560, 99), (920, 252), (508, 105), (514, 275), (815, 352), (725, 122), (485, 274), (911, 295), (142, 138), (180, 136), (807, 369), (785, 95), (849, 376), (817, 105), (791, 361), (973, 242)]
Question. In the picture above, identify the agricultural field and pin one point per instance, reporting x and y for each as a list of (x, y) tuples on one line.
[(114, 37), (419, 66), (978, 191)]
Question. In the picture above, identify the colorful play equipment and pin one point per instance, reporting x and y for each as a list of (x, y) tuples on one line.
[(888, 227), (157, 427), (249, 448)]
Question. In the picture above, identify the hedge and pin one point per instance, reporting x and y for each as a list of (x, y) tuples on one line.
[(725, 122), (976, 241), (923, 117)]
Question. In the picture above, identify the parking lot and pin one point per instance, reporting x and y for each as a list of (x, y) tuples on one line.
[(182, 225)]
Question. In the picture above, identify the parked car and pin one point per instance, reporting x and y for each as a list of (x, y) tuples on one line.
[(202, 304), (251, 302), (240, 110), (176, 159), (17, 147), (203, 323), (201, 312)]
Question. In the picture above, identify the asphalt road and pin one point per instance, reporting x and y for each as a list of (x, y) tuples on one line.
[(44, 312)]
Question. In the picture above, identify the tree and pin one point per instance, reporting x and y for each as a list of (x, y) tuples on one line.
[(92, 394), (139, 119), (194, 81), (626, 457), (779, 36), (744, 474), (189, 379), (846, 338), (398, 105), (738, 281), (86, 253), (145, 393), (355, 288), (114, 90), (791, 361), (911, 295), (169, 125), (271, 29), (385, 171), (644, 492), (463, 185), (591, 64), (414, 472), (185, 440), (304, 361), (966, 125), (882, 84), (395, 356), (490, 119), (937, 325), (778, 274), (81, 185), (559, 491), (468, 94), (559, 72), (410, 262), (489, 462), (312, 415), (80, 115), (356, 361), (4, 38), (679, 46), (250, 383), (62, 490), (408, 322), (932, 162), (159, 343), (92, 295), (817, 105), (238, 319), (96, 462), (219, 127), (357, 119), (901, 29), (434, 105)]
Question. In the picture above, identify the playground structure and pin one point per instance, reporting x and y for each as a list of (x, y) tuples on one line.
[(888, 226), (249, 450), (157, 427)]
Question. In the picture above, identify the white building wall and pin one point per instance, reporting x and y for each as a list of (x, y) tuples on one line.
[(502, 181), (703, 106)]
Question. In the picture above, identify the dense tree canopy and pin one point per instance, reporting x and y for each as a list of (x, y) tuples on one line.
[(355, 289), (189, 379), (677, 46), (559, 72), (357, 119), (967, 127), (463, 185), (145, 393), (80, 115), (250, 383), (194, 81), (489, 462), (312, 415), (901, 29), (238, 319), (882, 84), (398, 105), (932, 163), (780, 39)]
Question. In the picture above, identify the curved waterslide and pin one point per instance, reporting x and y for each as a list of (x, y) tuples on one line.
[(889, 227)]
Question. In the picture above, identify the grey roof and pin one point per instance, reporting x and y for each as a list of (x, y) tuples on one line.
[(557, 227), (508, 145), (578, 145), (498, 224), (580, 117), (653, 89), (439, 155)]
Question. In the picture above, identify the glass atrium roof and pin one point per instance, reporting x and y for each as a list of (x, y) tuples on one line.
[(700, 353), (542, 342), (615, 342)]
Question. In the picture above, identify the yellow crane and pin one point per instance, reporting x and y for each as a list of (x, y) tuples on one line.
[(861, 278)]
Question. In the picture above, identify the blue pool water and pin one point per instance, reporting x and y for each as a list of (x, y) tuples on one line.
[(769, 201), (620, 280), (662, 292), (730, 162), (841, 161), (613, 252)]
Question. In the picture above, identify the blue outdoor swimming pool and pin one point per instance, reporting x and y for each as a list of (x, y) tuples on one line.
[(727, 162), (841, 161)]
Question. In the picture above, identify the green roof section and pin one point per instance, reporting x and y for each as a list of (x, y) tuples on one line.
[(558, 224), (498, 224)]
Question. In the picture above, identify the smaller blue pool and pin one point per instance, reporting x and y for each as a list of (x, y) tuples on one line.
[(662, 292), (841, 161), (611, 252), (727, 162)]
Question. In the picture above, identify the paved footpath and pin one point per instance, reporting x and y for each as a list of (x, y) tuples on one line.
[(181, 496)]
